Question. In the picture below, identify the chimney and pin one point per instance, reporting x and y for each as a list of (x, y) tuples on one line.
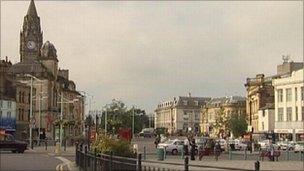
[(5, 58)]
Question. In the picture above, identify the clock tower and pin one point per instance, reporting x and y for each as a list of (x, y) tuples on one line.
[(30, 35)]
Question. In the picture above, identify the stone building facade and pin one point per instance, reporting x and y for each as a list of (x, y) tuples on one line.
[(210, 113), (260, 91), (289, 106), (39, 62), (180, 115)]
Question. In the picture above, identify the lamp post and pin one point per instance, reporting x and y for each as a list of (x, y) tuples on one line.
[(61, 117), (133, 120), (31, 108)]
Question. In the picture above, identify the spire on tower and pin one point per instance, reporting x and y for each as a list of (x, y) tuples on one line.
[(32, 9)]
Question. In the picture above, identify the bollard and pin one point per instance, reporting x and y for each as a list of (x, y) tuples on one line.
[(45, 144), (144, 152), (65, 144), (230, 154), (95, 159), (287, 154), (257, 166), (139, 162), (165, 152), (182, 154), (111, 161), (84, 157), (245, 154), (186, 163)]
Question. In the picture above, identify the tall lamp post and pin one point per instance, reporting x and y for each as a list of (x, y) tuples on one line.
[(31, 107), (133, 120), (61, 116)]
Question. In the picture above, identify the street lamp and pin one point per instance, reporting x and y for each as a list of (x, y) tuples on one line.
[(40, 101), (133, 120), (61, 116), (31, 107)]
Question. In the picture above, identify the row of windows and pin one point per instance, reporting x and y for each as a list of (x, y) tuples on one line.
[(288, 96), (289, 114), (9, 104), (8, 114)]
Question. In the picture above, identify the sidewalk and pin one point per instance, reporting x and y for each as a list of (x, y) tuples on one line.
[(70, 151), (226, 164)]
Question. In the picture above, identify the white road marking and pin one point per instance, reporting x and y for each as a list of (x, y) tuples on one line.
[(65, 162)]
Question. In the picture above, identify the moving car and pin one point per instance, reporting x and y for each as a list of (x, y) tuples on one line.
[(147, 132), (172, 146), (8, 143)]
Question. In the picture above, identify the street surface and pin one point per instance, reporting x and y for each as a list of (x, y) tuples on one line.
[(38, 159), (209, 161)]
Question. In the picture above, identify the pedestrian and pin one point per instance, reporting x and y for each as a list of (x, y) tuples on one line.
[(186, 146), (202, 151), (157, 141), (192, 149), (217, 150)]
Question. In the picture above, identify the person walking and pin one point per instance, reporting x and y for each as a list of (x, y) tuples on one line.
[(157, 141), (217, 150), (202, 151), (186, 146), (193, 146)]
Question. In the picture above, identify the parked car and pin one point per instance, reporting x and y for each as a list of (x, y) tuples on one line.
[(264, 144), (223, 144), (299, 147), (290, 145), (8, 143), (172, 146), (239, 145), (147, 132)]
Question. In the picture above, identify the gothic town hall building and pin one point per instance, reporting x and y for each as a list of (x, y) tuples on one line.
[(53, 92)]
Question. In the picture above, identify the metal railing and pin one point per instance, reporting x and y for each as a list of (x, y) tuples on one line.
[(87, 161)]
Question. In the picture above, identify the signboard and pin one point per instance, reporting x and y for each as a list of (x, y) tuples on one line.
[(249, 128), (286, 131)]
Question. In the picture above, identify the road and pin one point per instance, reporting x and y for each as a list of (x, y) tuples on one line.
[(34, 160), (28, 161)]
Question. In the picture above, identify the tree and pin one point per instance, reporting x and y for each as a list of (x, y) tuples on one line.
[(120, 116), (238, 125), (222, 122)]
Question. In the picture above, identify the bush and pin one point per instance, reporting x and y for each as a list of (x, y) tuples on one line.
[(106, 145)]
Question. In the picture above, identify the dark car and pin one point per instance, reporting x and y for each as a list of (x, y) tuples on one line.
[(8, 143)]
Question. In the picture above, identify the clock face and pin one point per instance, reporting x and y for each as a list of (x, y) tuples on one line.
[(31, 44)]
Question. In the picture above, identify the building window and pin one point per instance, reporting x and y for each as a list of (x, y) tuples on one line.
[(289, 113), (263, 113), (263, 126), (280, 114), (0, 114), (196, 116), (9, 104), (302, 113), (288, 95), (302, 93), (280, 95), (9, 115), (196, 103), (297, 113), (185, 102), (186, 116), (296, 94)]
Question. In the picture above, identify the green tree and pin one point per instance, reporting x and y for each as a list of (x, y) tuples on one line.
[(120, 116), (222, 122), (238, 125)]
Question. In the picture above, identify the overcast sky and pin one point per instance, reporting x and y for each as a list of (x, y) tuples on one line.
[(146, 52)]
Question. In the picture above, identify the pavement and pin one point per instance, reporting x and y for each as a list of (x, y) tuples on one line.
[(173, 164), (66, 155)]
